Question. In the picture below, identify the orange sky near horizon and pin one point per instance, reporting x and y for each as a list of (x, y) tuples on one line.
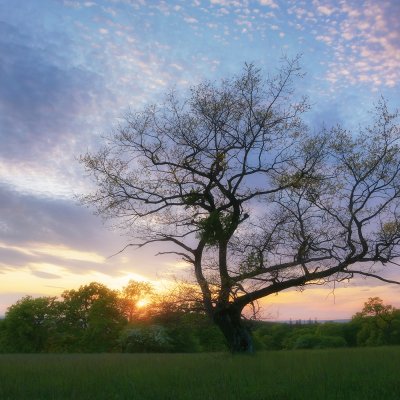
[(39, 278)]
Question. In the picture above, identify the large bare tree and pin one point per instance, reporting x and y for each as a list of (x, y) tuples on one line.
[(234, 181)]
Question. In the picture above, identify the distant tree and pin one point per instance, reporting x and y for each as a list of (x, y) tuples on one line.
[(30, 325), (132, 295), (179, 299), (92, 318), (374, 307), (312, 341), (2, 337), (272, 335), (234, 181), (378, 324), (332, 329)]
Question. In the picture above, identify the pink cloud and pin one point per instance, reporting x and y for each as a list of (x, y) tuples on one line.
[(365, 42)]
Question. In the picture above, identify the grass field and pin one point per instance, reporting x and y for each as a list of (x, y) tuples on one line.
[(314, 374)]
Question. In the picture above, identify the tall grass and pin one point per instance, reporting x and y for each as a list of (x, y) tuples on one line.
[(319, 374)]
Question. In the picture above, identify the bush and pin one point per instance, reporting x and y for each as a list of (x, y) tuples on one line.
[(307, 341), (295, 333), (311, 341), (153, 338), (191, 332), (183, 339), (3, 348), (331, 329), (331, 342)]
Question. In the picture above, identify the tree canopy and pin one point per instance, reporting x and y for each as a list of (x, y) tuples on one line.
[(232, 178), (94, 318), (47, 324)]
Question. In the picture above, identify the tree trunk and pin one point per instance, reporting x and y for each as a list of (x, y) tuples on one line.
[(235, 332)]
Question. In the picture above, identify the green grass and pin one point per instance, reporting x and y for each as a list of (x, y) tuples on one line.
[(317, 374)]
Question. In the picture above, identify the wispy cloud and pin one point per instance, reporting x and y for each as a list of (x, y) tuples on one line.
[(44, 236)]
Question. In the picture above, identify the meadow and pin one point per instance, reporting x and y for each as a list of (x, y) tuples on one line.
[(368, 373)]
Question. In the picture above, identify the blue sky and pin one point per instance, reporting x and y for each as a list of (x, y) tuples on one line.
[(69, 69)]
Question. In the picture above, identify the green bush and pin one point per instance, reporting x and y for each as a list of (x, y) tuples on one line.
[(297, 331), (2, 337), (328, 342), (330, 329), (183, 339), (312, 341), (307, 341), (147, 339), (271, 336)]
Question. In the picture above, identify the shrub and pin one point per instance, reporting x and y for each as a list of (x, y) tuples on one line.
[(306, 341), (331, 342), (153, 338), (311, 341)]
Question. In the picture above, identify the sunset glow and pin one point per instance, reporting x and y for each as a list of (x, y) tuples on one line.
[(142, 303)]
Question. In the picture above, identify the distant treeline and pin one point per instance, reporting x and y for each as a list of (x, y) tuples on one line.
[(97, 319)]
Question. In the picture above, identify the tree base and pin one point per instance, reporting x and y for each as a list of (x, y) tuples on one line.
[(237, 335)]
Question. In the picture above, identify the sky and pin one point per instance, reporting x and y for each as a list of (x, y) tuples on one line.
[(70, 69)]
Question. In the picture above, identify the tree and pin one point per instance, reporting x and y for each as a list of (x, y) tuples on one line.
[(92, 318), (180, 299), (131, 297), (374, 307), (234, 181), (30, 325), (378, 324)]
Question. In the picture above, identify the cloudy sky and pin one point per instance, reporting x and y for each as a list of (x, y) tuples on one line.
[(69, 69)]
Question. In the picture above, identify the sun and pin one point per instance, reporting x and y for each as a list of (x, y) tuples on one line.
[(142, 303)]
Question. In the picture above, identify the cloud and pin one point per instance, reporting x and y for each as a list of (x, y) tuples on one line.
[(45, 275), (269, 3), (325, 10), (11, 257), (57, 236), (226, 3), (364, 41), (42, 97), (191, 20), (27, 219)]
